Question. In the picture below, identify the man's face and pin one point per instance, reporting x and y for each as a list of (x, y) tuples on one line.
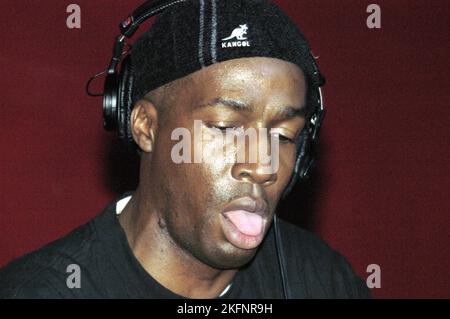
[(220, 210)]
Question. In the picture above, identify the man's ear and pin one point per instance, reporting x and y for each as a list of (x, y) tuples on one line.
[(144, 120)]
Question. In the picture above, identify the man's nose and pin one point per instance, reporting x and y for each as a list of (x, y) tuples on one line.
[(254, 164), (253, 173)]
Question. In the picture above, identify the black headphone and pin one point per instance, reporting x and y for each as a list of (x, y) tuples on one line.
[(118, 87)]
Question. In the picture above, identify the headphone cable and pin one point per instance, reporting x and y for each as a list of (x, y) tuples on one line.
[(281, 260)]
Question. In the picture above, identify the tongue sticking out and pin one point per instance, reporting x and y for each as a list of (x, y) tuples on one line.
[(249, 224)]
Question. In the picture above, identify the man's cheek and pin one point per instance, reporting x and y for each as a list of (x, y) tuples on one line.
[(215, 152)]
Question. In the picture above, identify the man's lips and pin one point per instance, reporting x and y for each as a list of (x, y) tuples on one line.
[(243, 222), (247, 203)]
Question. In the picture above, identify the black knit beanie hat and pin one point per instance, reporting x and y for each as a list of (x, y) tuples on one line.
[(197, 33)]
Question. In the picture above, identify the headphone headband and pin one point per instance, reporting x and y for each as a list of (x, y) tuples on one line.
[(148, 9)]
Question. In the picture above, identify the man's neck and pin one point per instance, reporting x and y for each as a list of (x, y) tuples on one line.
[(168, 263)]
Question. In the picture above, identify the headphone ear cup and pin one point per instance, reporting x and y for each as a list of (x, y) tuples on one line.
[(306, 156), (125, 101), (110, 102), (307, 167), (302, 156)]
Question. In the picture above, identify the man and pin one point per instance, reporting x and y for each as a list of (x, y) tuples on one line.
[(202, 229)]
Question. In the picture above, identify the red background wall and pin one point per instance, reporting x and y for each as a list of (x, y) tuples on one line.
[(380, 194)]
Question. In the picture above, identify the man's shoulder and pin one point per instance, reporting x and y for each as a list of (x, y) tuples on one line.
[(39, 274), (312, 260)]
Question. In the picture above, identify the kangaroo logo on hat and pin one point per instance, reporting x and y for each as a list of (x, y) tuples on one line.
[(239, 34)]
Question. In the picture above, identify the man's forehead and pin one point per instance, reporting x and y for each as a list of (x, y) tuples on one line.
[(242, 68), (248, 76), (243, 85)]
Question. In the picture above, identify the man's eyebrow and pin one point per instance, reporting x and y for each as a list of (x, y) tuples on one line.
[(235, 104), (284, 112), (291, 111)]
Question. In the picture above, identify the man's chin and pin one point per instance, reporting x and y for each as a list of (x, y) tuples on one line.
[(231, 257)]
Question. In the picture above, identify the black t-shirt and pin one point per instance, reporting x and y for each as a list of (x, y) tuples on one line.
[(108, 268)]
